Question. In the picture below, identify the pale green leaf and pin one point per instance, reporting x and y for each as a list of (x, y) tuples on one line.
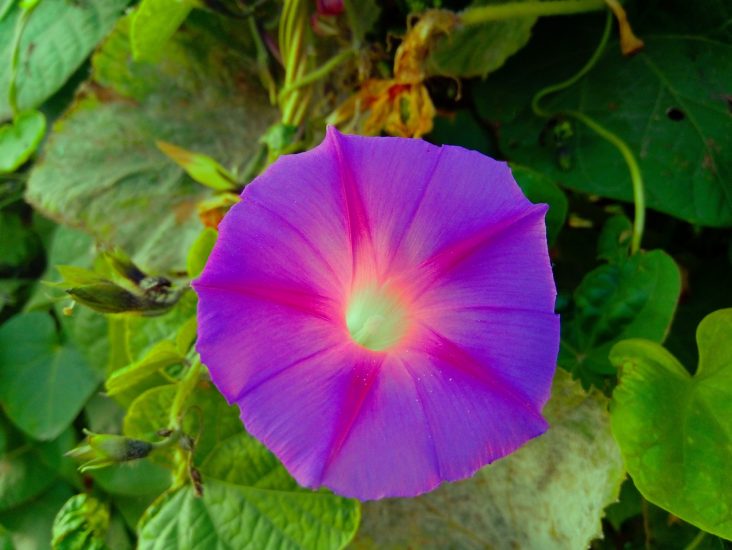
[(153, 23), (208, 104), (19, 139), (163, 354), (674, 429), (548, 495)]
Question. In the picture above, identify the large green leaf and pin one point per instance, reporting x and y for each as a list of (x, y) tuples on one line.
[(674, 429), (85, 329), (669, 103), (30, 524), (633, 298), (549, 494), (200, 96), (480, 49), (28, 468), (57, 39), (43, 383), (249, 500)]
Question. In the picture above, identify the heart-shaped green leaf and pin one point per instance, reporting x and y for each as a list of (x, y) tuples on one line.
[(43, 384), (675, 429), (19, 139)]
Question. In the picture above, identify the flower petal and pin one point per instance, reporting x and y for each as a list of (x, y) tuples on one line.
[(287, 230), (383, 437), (260, 337), (508, 266)]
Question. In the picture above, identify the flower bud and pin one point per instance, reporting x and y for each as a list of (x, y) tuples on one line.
[(106, 297), (101, 450)]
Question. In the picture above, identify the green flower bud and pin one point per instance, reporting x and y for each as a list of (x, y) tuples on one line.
[(101, 450)]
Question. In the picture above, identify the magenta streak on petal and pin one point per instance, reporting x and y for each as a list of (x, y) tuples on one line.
[(365, 374), (274, 374), (298, 232), (299, 300), (412, 215), (358, 223), (452, 255), (450, 353)]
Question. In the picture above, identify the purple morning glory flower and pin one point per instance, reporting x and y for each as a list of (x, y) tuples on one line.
[(382, 311)]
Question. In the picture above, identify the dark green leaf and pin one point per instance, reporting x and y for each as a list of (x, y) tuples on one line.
[(541, 189), (632, 299), (461, 128), (140, 478), (28, 468), (674, 428), (668, 103), (480, 49), (614, 243), (19, 243), (30, 524)]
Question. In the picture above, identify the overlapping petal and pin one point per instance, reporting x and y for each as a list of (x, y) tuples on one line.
[(447, 236)]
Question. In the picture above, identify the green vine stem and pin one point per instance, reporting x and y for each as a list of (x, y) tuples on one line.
[(318, 73), (262, 60), (636, 177), (294, 43), (497, 12)]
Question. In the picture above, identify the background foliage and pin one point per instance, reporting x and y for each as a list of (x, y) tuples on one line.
[(128, 129)]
